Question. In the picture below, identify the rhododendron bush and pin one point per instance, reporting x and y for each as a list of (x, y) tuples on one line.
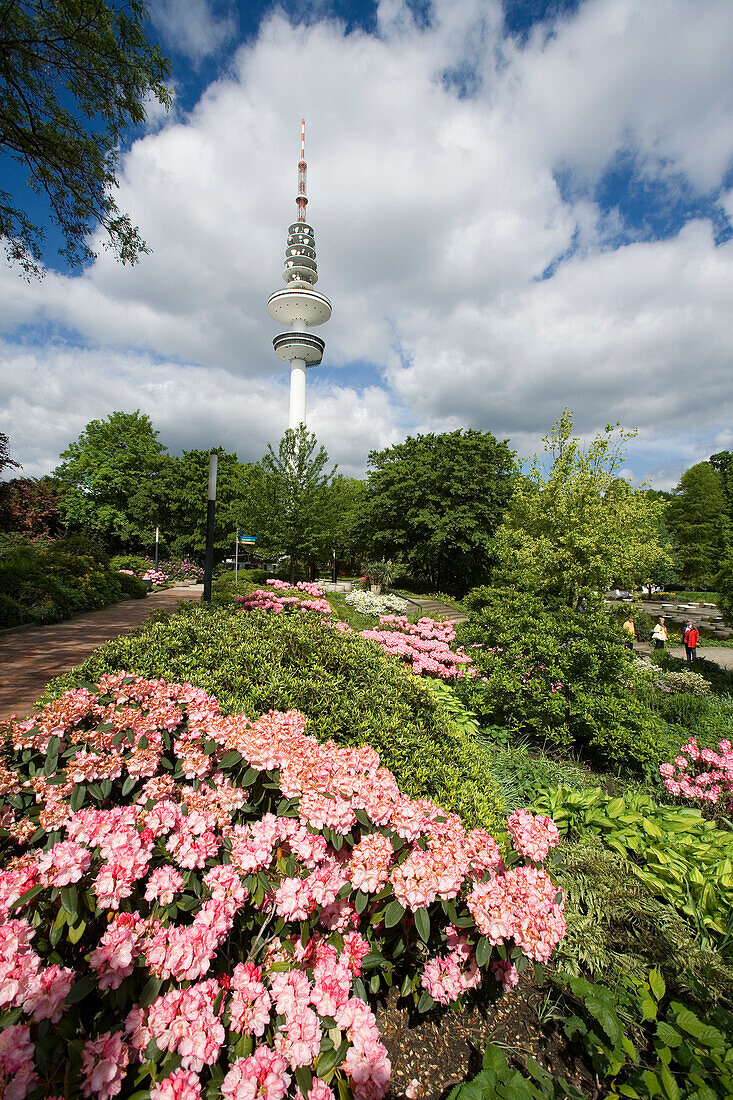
[(424, 646), (194, 904), (701, 775)]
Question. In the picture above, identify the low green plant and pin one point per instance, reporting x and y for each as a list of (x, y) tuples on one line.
[(132, 586), (500, 1079), (720, 679), (673, 850), (348, 689), (641, 1044)]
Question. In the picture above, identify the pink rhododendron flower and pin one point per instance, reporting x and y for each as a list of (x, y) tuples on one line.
[(182, 1084), (104, 1065)]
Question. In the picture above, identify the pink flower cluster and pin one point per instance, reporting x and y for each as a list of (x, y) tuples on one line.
[(314, 590), (260, 600), (25, 983), (702, 775), (424, 645), (446, 978), (169, 875), (532, 835)]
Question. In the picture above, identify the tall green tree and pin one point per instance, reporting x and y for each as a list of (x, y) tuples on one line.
[(185, 491), (574, 527), (722, 463), (74, 76), (291, 498), (435, 502), (342, 529), (111, 479), (695, 517)]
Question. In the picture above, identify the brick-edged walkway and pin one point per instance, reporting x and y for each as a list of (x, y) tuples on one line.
[(31, 656)]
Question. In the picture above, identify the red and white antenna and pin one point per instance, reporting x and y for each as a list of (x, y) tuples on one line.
[(302, 200)]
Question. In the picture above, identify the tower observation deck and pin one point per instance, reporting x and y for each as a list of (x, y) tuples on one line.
[(299, 305)]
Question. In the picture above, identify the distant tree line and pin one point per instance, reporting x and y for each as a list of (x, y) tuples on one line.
[(450, 511)]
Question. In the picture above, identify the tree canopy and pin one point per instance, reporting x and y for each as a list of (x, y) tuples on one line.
[(74, 76), (289, 494), (435, 501), (112, 480), (184, 496), (695, 517), (574, 527)]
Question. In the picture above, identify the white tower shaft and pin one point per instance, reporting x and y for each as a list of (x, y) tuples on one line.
[(297, 394)]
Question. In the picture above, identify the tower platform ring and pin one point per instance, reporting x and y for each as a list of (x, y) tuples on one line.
[(307, 306), (299, 345)]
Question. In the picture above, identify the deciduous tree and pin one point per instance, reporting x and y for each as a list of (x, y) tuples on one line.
[(111, 477), (291, 498), (185, 490), (574, 527), (435, 501), (74, 76), (695, 517)]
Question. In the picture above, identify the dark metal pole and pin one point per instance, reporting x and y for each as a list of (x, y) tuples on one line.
[(210, 510), (333, 568), (157, 534)]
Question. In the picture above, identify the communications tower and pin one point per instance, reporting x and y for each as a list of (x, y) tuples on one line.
[(299, 305)]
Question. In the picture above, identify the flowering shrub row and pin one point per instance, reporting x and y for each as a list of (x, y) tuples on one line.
[(369, 604), (424, 646), (198, 902), (314, 590), (702, 775)]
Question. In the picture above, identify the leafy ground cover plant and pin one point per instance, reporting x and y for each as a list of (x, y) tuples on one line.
[(348, 689), (558, 676), (673, 850), (199, 900)]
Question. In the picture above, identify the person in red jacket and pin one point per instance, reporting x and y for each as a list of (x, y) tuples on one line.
[(691, 637)]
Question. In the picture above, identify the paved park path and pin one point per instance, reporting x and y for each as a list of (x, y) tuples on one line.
[(719, 655), (31, 656)]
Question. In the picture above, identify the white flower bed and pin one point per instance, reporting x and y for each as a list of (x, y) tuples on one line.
[(369, 604)]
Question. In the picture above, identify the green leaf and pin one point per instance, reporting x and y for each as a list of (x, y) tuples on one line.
[(150, 991), (425, 1003), (129, 785), (69, 899), (81, 989), (229, 759), (669, 1084), (393, 914), (657, 983), (422, 924), (483, 951), (26, 897)]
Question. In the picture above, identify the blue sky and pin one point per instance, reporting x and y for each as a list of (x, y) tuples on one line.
[(517, 207)]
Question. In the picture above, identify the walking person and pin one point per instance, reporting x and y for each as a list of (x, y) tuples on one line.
[(631, 631), (659, 634), (690, 638)]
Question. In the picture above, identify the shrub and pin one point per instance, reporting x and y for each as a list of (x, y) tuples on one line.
[(11, 613), (135, 562), (132, 586), (347, 688), (720, 679), (172, 922), (366, 603), (559, 676), (685, 682), (81, 546)]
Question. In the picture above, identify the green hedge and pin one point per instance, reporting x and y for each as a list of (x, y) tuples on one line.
[(560, 676), (49, 583), (347, 687)]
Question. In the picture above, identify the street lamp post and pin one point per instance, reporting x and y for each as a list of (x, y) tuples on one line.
[(210, 510)]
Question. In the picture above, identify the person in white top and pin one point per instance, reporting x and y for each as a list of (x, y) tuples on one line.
[(659, 635)]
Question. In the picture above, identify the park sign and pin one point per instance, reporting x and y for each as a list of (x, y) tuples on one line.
[(246, 540)]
